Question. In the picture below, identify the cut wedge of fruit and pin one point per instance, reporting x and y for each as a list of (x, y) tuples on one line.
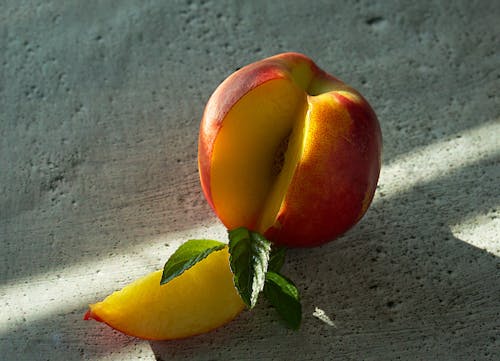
[(250, 161), (199, 300)]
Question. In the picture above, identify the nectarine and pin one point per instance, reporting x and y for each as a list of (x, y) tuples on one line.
[(199, 300), (287, 150)]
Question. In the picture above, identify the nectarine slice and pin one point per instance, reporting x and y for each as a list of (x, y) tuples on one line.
[(199, 300), (250, 156)]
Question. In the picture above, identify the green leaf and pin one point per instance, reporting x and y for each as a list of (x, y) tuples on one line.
[(187, 255), (284, 296), (249, 257), (277, 258)]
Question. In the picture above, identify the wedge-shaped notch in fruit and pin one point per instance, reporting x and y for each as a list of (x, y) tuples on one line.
[(289, 151), (201, 299)]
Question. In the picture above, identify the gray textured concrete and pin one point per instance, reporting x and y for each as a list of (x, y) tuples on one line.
[(99, 110)]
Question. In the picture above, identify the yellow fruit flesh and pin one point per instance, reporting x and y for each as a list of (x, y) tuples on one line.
[(199, 300), (248, 178), (280, 186)]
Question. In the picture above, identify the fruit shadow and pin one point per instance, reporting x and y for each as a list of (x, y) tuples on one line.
[(400, 284), (400, 281)]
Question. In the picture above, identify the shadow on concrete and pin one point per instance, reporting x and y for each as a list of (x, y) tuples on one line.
[(140, 202), (399, 285)]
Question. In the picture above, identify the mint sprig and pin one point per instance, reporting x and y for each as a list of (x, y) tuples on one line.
[(255, 263), (187, 255), (276, 258), (284, 297), (256, 266), (249, 256)]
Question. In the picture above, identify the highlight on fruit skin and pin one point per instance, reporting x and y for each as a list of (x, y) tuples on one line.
[(289, 151), (199, 300)]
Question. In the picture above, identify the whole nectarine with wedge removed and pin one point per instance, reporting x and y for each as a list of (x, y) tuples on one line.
[(199, 300), (289, 151)]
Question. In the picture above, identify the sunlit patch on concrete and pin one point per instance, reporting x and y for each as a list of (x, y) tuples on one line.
[(322, 316), (39, 296), (481, 230), (436, 160)]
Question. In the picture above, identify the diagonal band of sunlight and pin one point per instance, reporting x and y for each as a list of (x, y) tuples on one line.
[(435, 160), (71, 287)]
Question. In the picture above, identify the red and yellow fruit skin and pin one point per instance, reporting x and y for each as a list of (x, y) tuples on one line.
[(336, 179), (336, 184)]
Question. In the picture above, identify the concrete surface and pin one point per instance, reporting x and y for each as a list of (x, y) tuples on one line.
[(99, 110)]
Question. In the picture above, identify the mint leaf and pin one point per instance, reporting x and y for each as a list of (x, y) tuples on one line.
[(249, 257), (277, 258), (284, 297), (187, 255)]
